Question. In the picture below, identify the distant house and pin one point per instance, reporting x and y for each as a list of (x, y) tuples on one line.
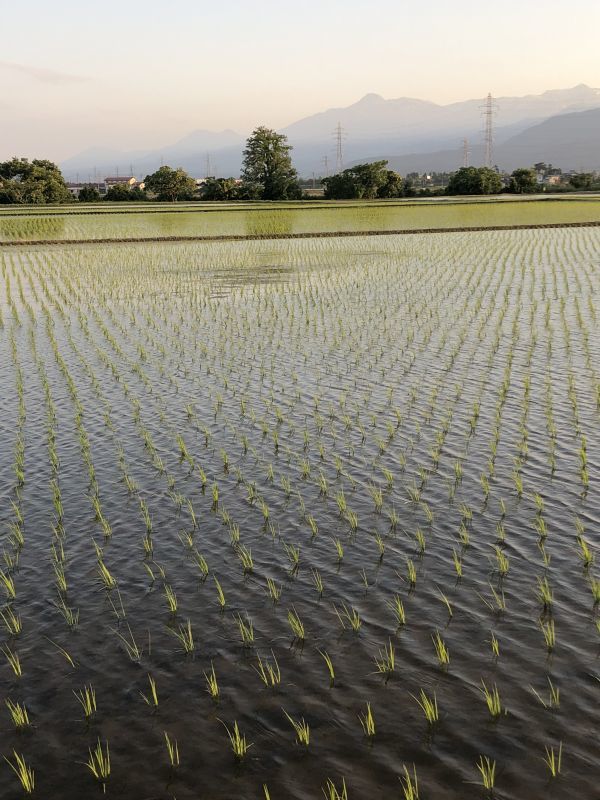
[(75, 188), (120, 180)]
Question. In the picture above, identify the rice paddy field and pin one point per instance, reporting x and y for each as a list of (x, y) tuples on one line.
[(300, 519), (116, 221)]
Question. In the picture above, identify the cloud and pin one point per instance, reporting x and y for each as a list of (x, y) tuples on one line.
[(42, 74)]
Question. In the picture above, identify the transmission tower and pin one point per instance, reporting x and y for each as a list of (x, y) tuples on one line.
[(339, 134), (466, 152), (325, 166), (207, 168), (488, 112)]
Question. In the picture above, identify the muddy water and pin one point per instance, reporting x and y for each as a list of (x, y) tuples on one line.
[(319, 362)]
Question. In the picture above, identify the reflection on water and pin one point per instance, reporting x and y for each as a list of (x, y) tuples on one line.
[(261, 221)]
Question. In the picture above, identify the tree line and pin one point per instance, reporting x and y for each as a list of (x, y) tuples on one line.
[(267, 174)]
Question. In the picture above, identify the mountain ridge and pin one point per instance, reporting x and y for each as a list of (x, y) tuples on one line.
[(401, 126)]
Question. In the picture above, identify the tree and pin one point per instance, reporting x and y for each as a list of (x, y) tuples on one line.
[(393, 185), (88, 194), (581, 180), (523, 181), (474, 180), (38, 181), (267, 166), (219, 189), (365, 181), (171, 184), (122, 193)]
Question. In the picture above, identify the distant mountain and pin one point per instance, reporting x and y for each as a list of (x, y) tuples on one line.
[(403, 127), (569, 141), (190, 153)]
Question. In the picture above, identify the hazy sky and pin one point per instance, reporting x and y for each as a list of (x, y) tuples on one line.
[(143, 73)]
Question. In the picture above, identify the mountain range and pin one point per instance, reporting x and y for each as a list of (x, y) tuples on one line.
[(560, 126)]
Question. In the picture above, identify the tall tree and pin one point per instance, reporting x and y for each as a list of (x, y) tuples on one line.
[(523, 181), (38, 181), (170, 184), (475, 180), (365, 181), (267, 166), (219, 189)]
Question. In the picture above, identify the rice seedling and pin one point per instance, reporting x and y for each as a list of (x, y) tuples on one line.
[(457, 561), (220, 593), (553, 701), (495, 645), (544, 593), (301, 729), (397, 607), (385, 661), (318, 581), (151, 699), (348, 615), (98, 763), (18, 714), (293, 554), (171, 598), (329, 663), (487, 770), (13, 660), (502, 562), (8, 584), (331, 792), (411, 573), (553, 760), (586, 554), (12, 621), (106, 578), (212, 685), (367, 721), (237, 740), (441, 651), (428, 706), (296, 624), (23, 771), (380, 545), (492, 699), (269, 673), (245, 556), (549, 633), (339, 549), (86, 698), (274, 591), (410, 783), (185, 637), (172, 750), (246, 630)]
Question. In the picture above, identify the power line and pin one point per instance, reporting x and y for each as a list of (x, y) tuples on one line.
[(466, 152), (339, 134), (489, 109)]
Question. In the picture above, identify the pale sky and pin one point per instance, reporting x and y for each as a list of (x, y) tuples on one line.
[(139, 74)]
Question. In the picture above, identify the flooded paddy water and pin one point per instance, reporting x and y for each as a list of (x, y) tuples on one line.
[(339, 496), (167, 220)]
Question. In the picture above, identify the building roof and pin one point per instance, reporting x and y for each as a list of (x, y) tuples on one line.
[(120, 179)]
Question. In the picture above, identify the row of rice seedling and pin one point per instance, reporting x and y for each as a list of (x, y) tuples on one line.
[(288, 507)]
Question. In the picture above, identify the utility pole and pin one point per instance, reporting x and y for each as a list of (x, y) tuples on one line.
[(339, 134), (466, 152), (488, 112)]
